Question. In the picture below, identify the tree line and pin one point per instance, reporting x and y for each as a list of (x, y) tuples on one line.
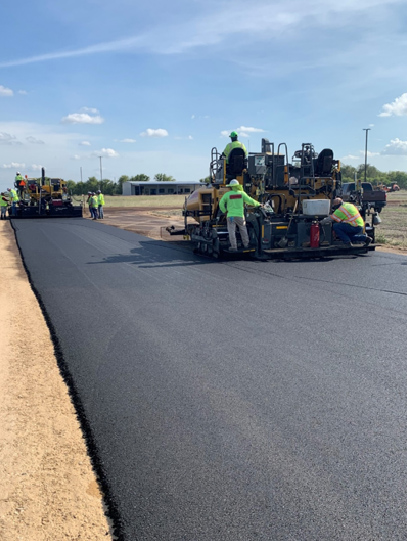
[(373, 175), (348, 172), (109, 187)]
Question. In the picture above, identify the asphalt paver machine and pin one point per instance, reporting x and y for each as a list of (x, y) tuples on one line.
[(295, 198)]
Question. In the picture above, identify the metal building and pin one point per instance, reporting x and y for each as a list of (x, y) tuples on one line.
[(159, 188)]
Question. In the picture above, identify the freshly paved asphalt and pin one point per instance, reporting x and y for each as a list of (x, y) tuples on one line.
[(235, 400)]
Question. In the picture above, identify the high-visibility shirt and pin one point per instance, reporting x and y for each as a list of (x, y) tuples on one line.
[(13, 195), (348, 214), (234, 201), (3, 201), (232, 145), (101, 199), (94, 201)]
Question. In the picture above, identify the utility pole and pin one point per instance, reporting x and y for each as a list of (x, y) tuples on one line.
[(366, 130), (101, 178), (81, 174)]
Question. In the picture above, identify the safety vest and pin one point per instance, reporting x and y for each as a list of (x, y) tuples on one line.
[(234, 201), (101, 199), (232, 145), (94, 201), (348, 214), (3, 202), (14, 196)]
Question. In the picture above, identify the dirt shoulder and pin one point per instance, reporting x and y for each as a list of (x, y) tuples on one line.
[(48, 490)]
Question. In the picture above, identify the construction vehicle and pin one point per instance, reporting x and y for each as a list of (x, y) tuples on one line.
[(45, 198), (295, 198), (363, 192)]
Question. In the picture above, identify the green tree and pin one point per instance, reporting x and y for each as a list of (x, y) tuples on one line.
[(206, 180), (160, 177), (140, 178), (348, 173)]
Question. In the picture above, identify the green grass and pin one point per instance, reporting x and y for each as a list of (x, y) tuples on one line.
[(393, 229), (144, 201), (147, 201)]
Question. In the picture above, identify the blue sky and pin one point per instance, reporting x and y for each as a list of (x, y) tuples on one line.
[(153, 86)]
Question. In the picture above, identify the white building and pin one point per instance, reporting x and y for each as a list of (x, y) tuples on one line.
[(153, 187)]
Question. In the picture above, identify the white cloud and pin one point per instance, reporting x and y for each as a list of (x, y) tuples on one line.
[(350, 158), (5, 92), (7, 138), (35, 167), (82, 118), (190, 137), (76, 157), (13, 165), (34, 140), (22, 92), (89, 110), (105, 153), (85, 144), (154, 133), (395, 147), (243, 131), (397, 108), (128, 141)]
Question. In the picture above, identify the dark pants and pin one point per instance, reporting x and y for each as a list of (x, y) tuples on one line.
[(349, 233)]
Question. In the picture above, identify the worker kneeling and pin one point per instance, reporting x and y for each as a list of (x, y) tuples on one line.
[(233, 204), (348, 224)]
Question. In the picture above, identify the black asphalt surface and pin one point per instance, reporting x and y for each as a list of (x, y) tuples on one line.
[(236, 400)]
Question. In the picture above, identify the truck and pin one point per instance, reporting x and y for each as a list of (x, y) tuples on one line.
[(367, 197)]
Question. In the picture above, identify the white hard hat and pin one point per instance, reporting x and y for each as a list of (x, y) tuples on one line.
[(233, 182)]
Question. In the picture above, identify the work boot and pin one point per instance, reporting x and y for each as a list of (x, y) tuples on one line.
[(368, 241), (233, 250)]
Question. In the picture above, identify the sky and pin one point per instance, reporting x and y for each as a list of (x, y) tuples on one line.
[(91, 87)]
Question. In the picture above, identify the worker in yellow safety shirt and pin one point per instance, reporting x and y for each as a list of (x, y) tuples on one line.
[(101, 202), (13, 198), (233, 203), (348, 224), (3, 206), (94, 206), (233, 144)]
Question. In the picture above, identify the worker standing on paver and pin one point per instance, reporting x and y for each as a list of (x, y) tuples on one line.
[(233, 203), (101, 202), (3, 206)]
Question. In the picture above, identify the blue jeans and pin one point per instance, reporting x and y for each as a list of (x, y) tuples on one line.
[(349, 233), (100, 210), (14, 208)]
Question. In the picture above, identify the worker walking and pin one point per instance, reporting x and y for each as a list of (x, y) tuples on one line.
[(3, 206), (233, 144), (101, 202), (13, 198), (233, 203), (348, 224)]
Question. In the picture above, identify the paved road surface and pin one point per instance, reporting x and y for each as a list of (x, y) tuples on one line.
[(233, 400)]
